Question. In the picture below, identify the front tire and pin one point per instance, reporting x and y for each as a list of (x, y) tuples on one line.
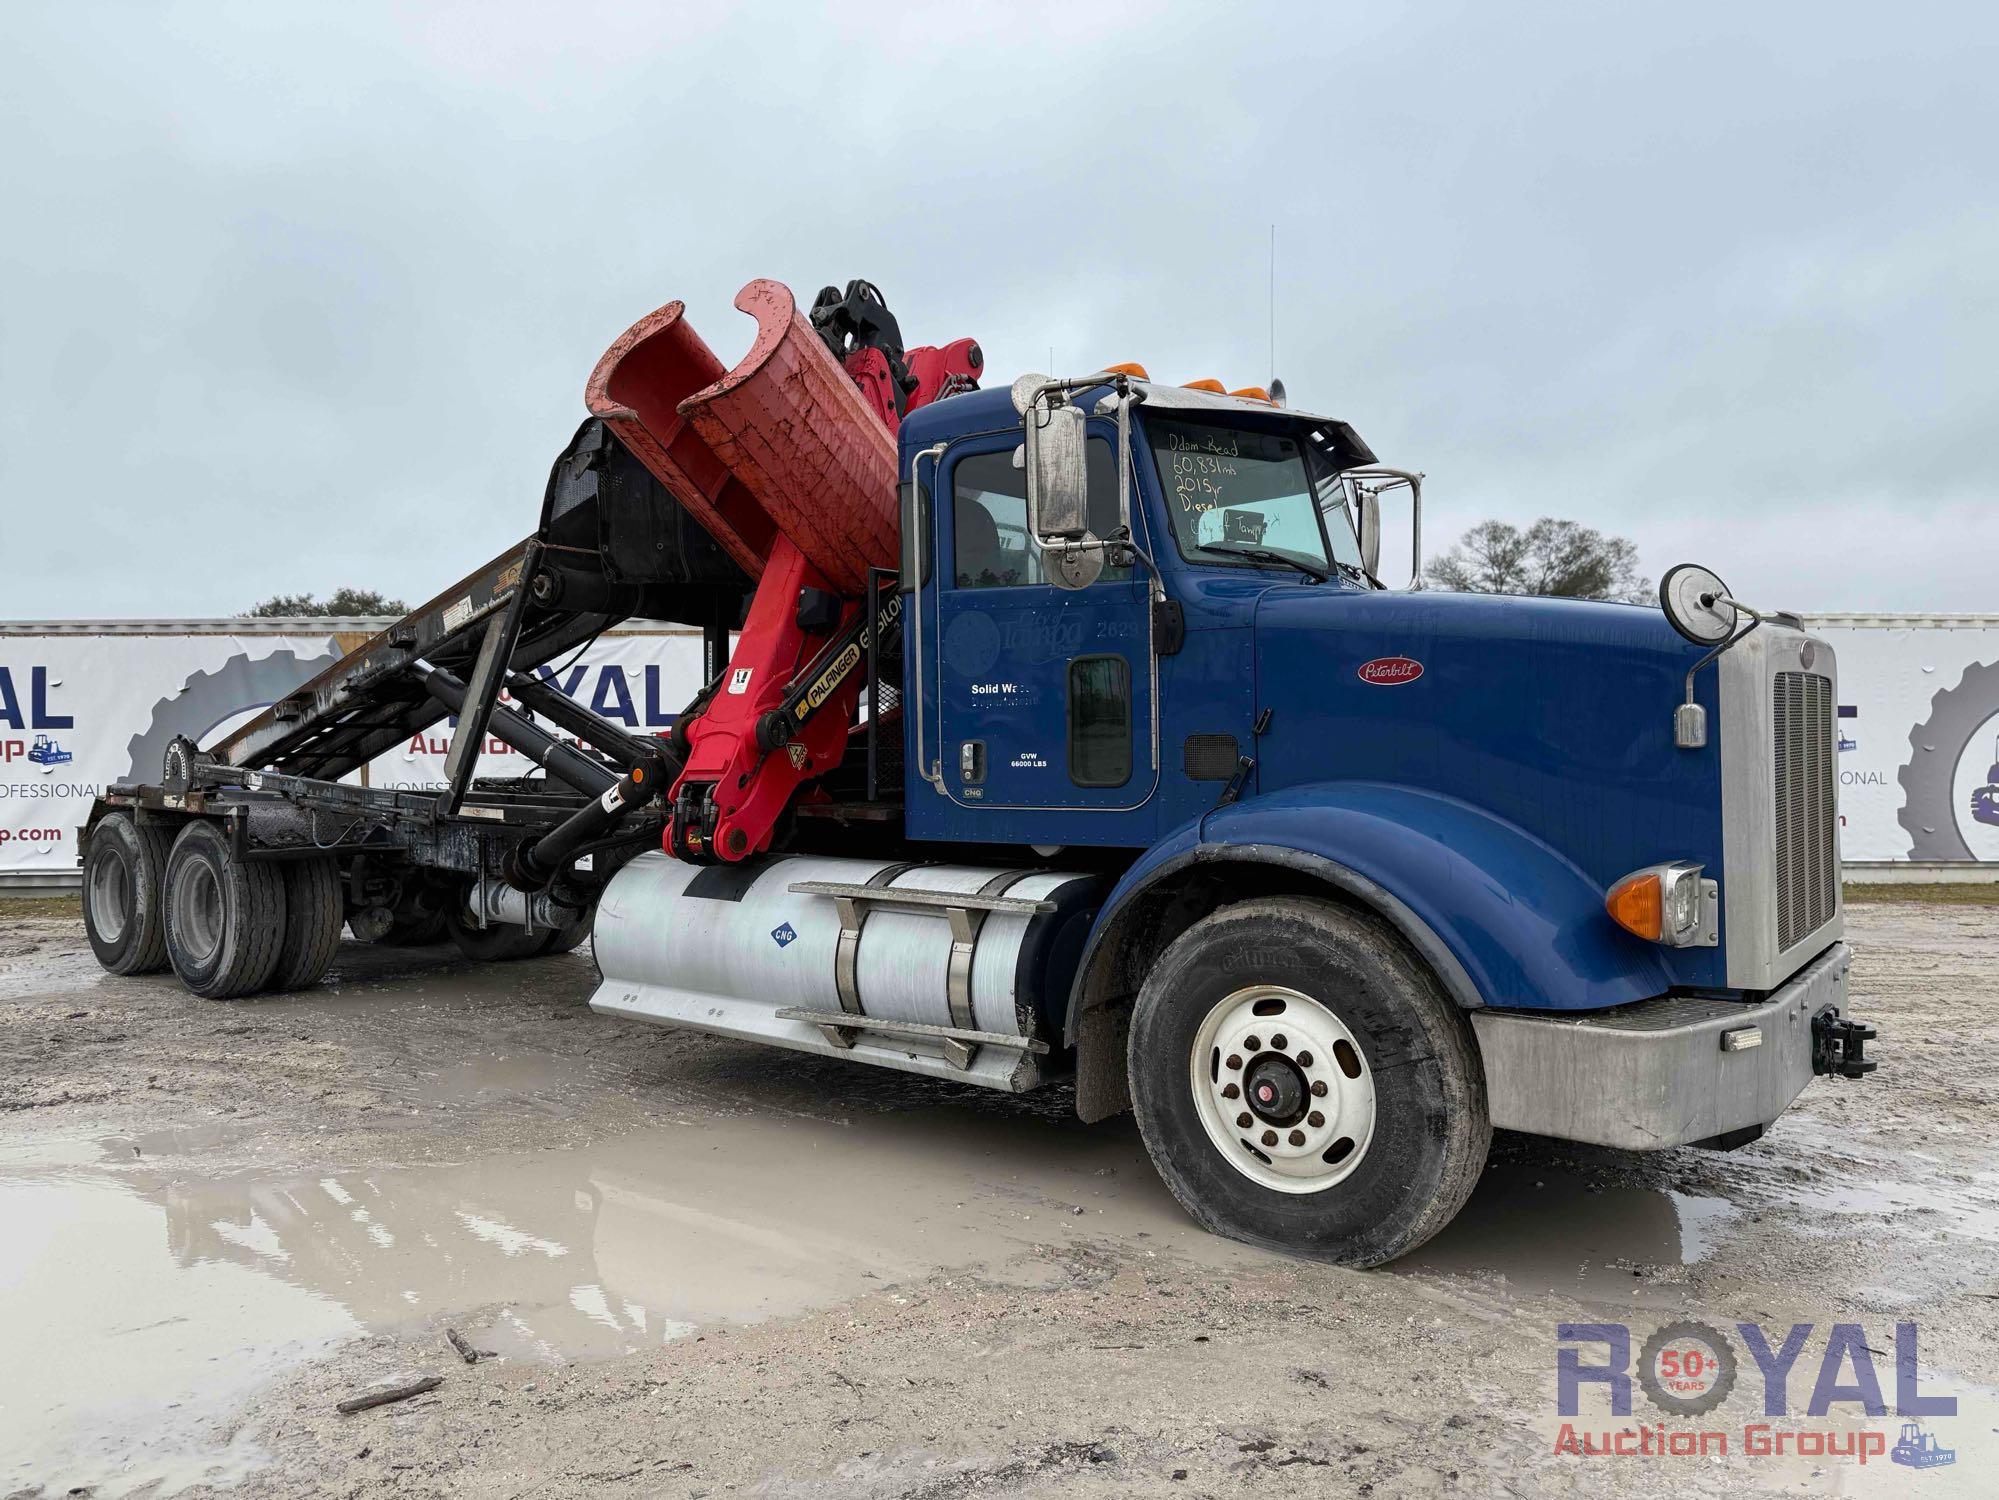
[(225, 917), (1358, 1078)]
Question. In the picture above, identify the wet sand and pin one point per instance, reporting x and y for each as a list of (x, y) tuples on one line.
[(704, 1266)]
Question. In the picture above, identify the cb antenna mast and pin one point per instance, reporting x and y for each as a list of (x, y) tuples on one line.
[(1273, 304)]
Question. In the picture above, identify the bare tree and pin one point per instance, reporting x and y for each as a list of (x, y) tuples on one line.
[(1562, 558), (342, 602)]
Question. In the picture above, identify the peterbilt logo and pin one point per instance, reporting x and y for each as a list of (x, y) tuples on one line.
[(1390, 671)]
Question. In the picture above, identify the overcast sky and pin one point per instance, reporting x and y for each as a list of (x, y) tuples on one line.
[(294, 297)]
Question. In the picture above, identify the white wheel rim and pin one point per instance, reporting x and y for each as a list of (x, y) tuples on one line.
[(110, 898), (1292, 1069), (197, 910)]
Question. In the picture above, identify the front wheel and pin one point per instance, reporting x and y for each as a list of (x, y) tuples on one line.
[(1302, 1082)]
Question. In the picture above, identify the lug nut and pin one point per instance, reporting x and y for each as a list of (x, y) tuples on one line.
[(1319, 1089), (1251, 1043), (1269, 1137), (1297, 1137), (1229, 1091), (1280, 1041), (1234, 1062), (1315, 1119), (1304, 1059), (1242, 1121)]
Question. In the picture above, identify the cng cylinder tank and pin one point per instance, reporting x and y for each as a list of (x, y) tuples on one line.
[(958, 971)]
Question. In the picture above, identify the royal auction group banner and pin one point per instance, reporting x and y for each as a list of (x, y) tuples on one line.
[(1918, 723), (79, 711), (1918, 738)]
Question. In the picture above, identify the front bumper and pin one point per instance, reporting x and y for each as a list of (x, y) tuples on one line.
[(1662, 1072)]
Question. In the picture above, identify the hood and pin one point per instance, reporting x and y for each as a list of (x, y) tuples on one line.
[(1554, 714)]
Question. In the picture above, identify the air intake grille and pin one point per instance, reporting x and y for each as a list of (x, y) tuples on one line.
[(1807, 871)]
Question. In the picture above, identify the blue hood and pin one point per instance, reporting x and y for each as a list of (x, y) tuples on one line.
[(1553, 715)]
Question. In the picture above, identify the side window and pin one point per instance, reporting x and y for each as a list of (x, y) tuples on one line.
[(989, 521), (990, 550), (1099, 721)]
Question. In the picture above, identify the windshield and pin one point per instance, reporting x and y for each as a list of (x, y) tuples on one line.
[(1232, 491)]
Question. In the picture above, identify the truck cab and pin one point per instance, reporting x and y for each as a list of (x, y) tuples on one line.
[(1186, 665)]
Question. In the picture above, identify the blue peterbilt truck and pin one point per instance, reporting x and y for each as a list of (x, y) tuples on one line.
[(1154, 786)]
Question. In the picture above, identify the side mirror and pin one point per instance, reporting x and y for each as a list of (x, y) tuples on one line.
[(1370, 532), (1697, 604), (1057, 475)]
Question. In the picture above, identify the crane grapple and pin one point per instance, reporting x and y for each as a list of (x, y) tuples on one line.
[(789, 460)]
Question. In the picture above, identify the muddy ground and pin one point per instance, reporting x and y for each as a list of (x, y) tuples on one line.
[(704, 1268)]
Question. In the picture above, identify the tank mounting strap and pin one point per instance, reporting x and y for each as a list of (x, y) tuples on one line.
[(965, 925), (846, 957), (959, 1043), (967, 912)]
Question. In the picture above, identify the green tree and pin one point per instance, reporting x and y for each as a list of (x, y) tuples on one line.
[(342, 602), (1565, 559)]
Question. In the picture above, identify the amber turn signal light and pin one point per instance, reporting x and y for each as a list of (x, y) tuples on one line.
[(1667, 903), (1636, 905)]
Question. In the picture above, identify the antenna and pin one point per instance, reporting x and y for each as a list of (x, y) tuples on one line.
[(1273, 302)]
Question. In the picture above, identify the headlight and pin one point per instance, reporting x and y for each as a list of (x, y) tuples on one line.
[(1668, 904)]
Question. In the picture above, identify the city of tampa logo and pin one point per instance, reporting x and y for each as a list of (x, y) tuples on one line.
[(1687, 1369), (1390, 671)]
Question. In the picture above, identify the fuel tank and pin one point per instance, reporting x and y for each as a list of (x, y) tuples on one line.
[(958, 971)]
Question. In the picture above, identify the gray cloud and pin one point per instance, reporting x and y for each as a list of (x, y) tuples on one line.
[(290, 301)]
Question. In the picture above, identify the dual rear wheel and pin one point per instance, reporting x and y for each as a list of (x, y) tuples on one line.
[(154, 899)]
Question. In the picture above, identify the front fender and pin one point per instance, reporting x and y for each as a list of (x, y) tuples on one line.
[(1502, 918)]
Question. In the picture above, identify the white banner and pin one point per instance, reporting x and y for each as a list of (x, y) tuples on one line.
[(1918, 725), (1918, 741), (78, 712)]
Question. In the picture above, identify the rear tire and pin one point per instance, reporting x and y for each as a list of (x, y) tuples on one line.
[(314, 915), (1359, 1078), (225, 919), (124, 894), (496, 944), (568, 939)]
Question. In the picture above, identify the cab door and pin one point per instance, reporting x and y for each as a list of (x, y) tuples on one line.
[(1042, 695)]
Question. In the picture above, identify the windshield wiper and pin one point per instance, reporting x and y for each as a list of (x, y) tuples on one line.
[(1358, 574), (1265, 555)]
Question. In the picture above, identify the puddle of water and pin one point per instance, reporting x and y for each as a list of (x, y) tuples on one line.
[(1542, 1228), (165, 1298), (177, 1140), (138, 1357), (1964, 1212)]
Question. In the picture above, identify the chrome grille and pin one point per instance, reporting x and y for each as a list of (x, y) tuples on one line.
[(1806, 805)]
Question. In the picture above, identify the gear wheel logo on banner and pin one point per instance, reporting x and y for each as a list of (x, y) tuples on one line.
[(207, 700), (1687, 1368), (1950, 805)]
